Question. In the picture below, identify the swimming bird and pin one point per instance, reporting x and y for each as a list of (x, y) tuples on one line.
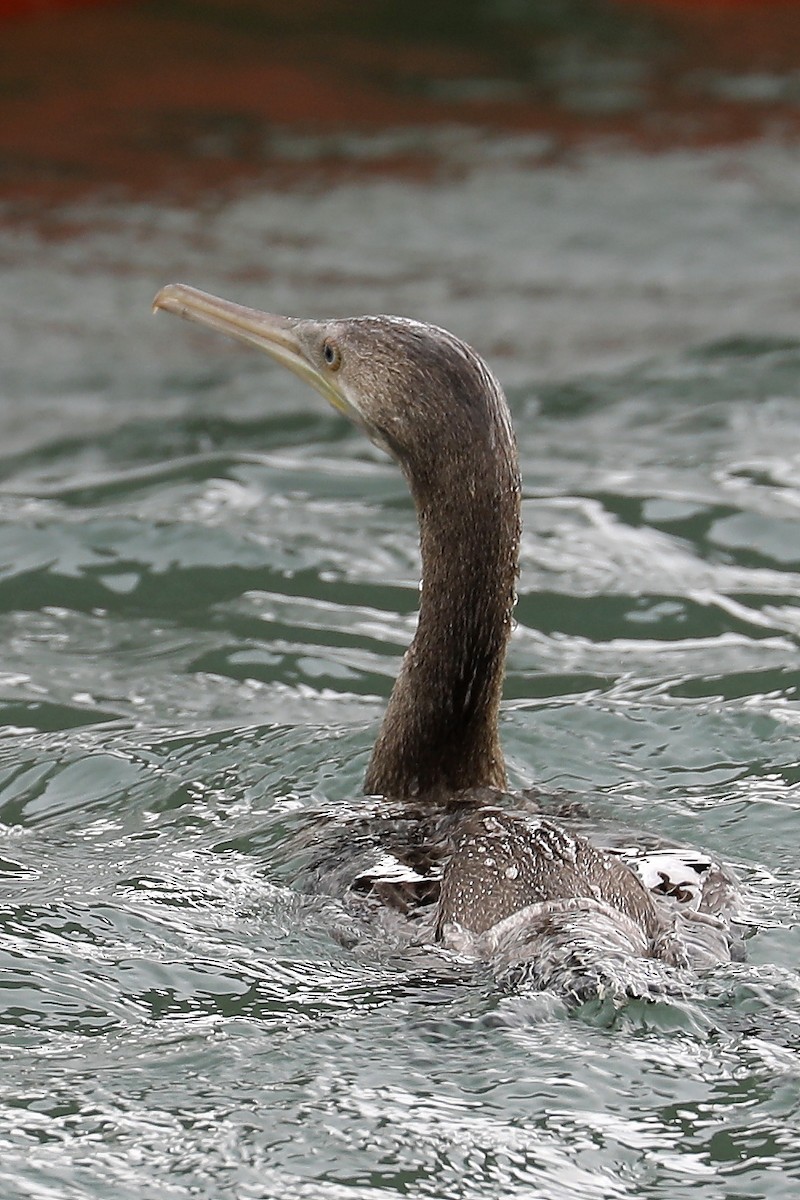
[(515, 888)]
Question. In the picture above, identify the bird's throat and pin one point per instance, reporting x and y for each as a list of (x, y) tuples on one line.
[(440, 732)]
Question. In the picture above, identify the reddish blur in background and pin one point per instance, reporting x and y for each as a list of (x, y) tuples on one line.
[(171, 97)]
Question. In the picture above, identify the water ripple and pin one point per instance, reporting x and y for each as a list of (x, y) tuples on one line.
[(202, 608)]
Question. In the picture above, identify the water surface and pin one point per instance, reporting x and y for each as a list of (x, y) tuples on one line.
[(207, 582)]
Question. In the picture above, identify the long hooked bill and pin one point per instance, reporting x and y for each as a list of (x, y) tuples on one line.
[(273, 334)]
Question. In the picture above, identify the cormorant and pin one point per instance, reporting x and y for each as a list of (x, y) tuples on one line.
[(522, 891)]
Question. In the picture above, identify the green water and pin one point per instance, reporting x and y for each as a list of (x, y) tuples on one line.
[(207, 582)]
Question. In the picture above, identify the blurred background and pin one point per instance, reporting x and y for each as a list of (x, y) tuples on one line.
[(207, 581), (186, 107), (180, 97)]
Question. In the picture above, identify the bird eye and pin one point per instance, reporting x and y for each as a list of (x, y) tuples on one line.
[(331, 354)]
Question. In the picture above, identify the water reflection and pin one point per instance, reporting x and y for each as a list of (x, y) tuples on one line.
[(196, 96)]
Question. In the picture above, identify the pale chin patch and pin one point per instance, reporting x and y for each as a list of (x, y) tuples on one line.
[(379, 440)]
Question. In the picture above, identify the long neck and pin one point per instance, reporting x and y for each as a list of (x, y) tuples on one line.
[(440, 731)]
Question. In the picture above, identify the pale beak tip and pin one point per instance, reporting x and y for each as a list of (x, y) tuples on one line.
[(167, 298)]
